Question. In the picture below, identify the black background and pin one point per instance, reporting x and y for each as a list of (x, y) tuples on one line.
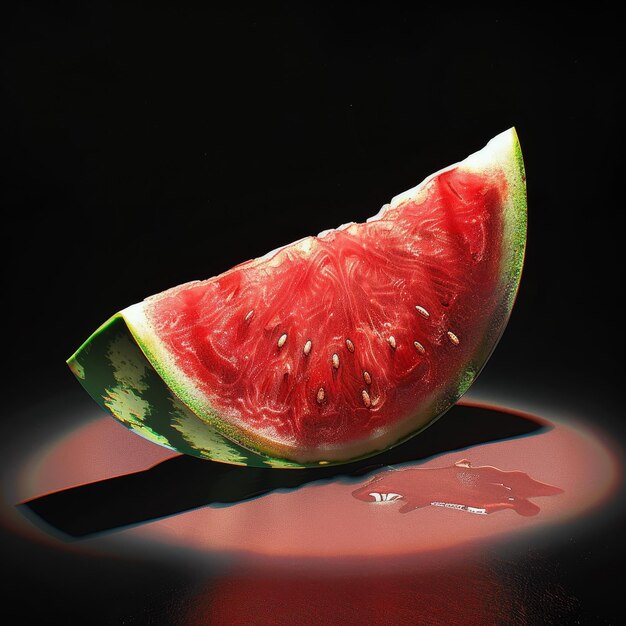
[(150, 146)]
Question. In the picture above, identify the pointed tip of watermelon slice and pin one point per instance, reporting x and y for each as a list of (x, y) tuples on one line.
[(502, 153), (501, 149)]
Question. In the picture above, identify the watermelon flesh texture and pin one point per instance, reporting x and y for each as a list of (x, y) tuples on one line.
[(338, 346)]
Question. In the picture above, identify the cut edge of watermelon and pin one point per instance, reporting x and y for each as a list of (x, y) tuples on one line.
[(501, 155)]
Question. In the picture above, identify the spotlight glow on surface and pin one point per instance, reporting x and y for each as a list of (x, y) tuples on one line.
[(323, 519)]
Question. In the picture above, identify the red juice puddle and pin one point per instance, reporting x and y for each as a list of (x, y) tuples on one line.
[(480, 490)]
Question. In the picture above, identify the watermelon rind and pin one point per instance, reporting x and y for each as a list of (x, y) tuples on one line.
[(115, 372), (129, 372)]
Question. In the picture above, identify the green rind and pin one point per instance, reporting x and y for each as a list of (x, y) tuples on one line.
[(513, 252), (165, 403), (117, 375), (515, 226)]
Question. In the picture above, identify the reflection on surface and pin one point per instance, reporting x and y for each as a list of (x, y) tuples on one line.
[(479, 490), (474, 590)]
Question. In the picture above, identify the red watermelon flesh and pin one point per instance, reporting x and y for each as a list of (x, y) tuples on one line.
[(343, 344)]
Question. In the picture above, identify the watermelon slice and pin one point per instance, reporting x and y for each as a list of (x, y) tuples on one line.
[(334, 347)]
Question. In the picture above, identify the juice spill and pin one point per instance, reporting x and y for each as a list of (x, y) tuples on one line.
[(480, 490)]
